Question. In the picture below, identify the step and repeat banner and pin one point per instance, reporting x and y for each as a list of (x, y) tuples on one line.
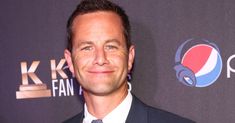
[(185, 59)]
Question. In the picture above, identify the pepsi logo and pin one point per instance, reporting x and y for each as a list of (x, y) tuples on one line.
[(200, 65)]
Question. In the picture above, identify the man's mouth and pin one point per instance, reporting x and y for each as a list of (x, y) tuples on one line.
[(100, 71)]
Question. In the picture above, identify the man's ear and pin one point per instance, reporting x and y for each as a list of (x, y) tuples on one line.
[(131, 57), (68, 58)]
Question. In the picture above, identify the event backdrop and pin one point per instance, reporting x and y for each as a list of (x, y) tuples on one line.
[(36, 87)]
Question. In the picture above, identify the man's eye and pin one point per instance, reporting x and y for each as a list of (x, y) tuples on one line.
[(87, 48), (111, 47)]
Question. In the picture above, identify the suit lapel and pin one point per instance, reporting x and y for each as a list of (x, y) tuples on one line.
[(81, 117), (76, 119), (138, 112)]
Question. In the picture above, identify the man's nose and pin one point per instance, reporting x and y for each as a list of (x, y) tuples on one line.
[(100, 57)]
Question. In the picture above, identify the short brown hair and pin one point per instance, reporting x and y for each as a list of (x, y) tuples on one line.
[(89, 6)]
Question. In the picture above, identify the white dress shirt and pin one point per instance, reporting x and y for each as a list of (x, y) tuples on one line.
[(118, 115)]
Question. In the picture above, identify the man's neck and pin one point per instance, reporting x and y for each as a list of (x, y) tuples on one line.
[(100, 106)]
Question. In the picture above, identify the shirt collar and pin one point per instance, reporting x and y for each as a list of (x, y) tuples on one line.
[(118, 115)]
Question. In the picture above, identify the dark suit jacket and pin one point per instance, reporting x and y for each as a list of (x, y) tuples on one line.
[(142, 113)]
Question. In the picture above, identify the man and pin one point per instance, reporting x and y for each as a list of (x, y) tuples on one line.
[(100, 55)]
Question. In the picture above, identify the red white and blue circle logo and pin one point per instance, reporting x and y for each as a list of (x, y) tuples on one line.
[(200, 65)]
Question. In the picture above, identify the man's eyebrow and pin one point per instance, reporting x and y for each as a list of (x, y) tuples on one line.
[(84, 42), (113, 41)]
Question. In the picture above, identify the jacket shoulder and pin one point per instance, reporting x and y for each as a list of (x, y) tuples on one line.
[(162, 116), (143, 113)]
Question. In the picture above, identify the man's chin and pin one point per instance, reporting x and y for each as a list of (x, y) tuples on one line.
[(100, 90)]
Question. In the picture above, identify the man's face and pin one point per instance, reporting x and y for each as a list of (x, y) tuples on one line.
[(100, 59)]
